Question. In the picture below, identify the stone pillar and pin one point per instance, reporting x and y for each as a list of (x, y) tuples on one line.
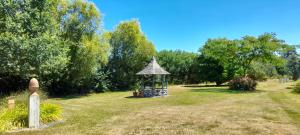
[(34, 104)]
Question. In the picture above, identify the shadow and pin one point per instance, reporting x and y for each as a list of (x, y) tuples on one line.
[(204, 86), (134, 97), (224, 90), (70, 96)]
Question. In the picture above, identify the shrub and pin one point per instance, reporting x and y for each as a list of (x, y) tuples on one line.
[(242, 83), (18, 117), (13, 118), (258, 76), (297, 87), (50, 112)]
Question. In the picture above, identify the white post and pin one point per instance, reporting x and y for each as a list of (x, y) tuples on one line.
[(34, 105)]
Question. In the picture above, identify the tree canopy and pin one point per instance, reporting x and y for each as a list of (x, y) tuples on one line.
[(58, 42), (179, 64), (30, 42), (237, 56), (130, 53)]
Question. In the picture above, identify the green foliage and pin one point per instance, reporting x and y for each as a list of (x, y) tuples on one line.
[(30, 45), (13, 118), (50, 112), (264, 48), (131, 51), (261, 71), (293, 64), (210, 69), (63, 44), (237, 56), (224, 51), (297, 87), (101, 82), (18, 116), (58, 42), (88, 50), (180, 64), (243, 83)]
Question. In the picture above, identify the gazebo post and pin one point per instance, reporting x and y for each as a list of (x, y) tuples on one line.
[(153, 85), (162, 85), (142, 84), (166, 83)]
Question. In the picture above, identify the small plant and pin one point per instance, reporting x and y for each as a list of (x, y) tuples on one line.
[(243, 83), (297, 87), (13, 118), (50, 112)]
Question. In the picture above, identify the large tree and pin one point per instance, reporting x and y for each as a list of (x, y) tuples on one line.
[(80, 23), (59, 42), (210, 70), (293, 63), (265, 48), (30, 45), (131, 51), (224, 51)]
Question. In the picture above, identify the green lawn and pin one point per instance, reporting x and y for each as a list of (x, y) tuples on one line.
[(273, 109)]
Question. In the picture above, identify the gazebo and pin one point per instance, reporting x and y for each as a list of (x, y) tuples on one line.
[(153, 80)]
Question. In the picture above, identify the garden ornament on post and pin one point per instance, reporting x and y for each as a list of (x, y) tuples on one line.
[(34, 104)]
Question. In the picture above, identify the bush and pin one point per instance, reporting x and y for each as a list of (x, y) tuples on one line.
[(18, 117), (13, 118), (258, 76), (242, 83), (297, 87), (50, 112)]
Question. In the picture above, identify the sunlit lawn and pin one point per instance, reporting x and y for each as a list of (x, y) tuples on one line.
[(273, 109)]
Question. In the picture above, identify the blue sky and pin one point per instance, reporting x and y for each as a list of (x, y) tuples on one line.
[(187, 24)]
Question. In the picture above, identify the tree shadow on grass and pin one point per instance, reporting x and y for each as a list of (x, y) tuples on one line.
[(200, 86), (67, 97), (223, 90)]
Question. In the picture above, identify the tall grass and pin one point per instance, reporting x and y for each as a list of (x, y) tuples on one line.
[(297, 87), (20, 97)]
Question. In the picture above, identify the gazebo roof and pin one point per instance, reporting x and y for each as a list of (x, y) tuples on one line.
[(153, 69)]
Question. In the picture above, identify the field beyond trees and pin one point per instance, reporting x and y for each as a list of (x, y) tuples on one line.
[(272, 109)]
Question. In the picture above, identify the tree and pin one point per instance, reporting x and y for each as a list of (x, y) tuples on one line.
[(237, 56), (29, 43), (59, 42), (264, 48), (80, 22), (261, 71), (179, 64), (210, 69), (224, 51), (293, 64), (131, 51)]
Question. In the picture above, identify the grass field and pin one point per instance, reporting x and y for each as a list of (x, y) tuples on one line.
[(273, 109)]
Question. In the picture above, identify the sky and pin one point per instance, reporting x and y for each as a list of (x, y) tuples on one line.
[(187, 24)]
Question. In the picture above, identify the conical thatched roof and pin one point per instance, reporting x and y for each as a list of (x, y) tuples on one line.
[(153, 69)]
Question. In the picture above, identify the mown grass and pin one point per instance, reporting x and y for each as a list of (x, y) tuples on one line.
[(273, 109), (292, 109)]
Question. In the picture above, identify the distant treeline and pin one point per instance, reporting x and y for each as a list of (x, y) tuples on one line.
[(221, 60), (62, 44)]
